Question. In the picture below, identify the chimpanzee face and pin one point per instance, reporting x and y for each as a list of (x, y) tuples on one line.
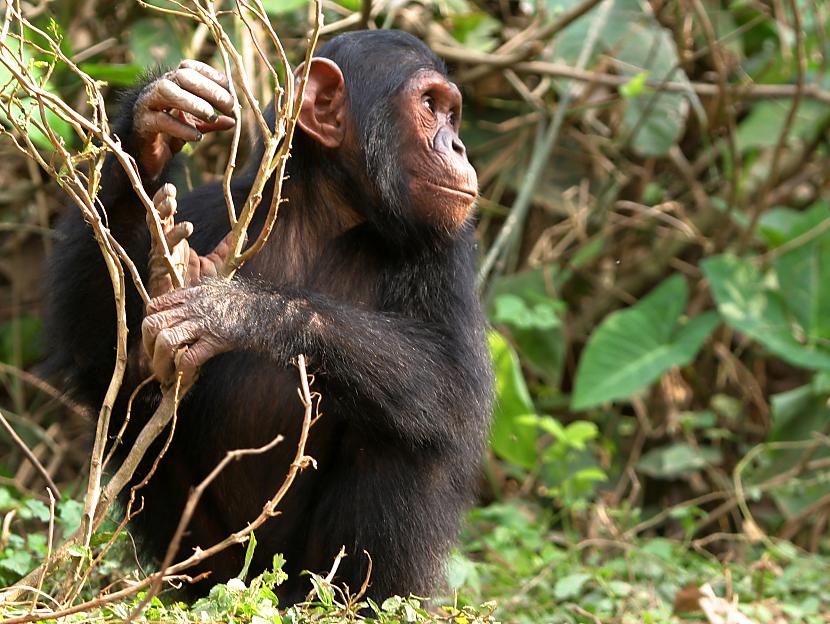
[(442, 182)]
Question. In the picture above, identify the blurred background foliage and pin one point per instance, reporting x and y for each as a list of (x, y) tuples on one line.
[(655, 262)]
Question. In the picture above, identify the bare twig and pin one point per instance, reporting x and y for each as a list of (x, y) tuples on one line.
[(53, 489)]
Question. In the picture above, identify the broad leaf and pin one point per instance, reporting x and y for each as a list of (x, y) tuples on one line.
[(522, 303), (657, 120), (280, 7), (767, 120), (787, 317), (796, 415), (676, 460), (632, 348), (511, 438), (153, 42)]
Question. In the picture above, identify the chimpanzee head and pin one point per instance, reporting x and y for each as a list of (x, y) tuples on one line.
[(380, 105)]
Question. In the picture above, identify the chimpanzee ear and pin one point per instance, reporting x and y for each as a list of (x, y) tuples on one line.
[(323, 111)]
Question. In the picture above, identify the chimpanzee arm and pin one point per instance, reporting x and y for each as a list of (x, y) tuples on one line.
[(401, 375)]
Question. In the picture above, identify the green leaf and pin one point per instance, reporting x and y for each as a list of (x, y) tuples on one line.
[(580, 432), (657, 120), (796, 415), (634, 86), (513, 310), (570, 587), (35, 509), (249, 555), (522, 302), (154, 42), (632, 348), (19, 562), (477, 31), (804, 277), (26, 330), (676, 460), (117, 75), (766, 121), (70, 513), (280, 7), (755, 305), (511, 438)]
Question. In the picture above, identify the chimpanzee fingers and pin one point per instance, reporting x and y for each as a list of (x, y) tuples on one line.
[(212, 263), (197, 83), (208, 72), (222, 123), (166, 94), (155, 122), (178, 233), (165, 201), (189, 360), (193, 273), (156, 322), (172, 303), (167, 343)]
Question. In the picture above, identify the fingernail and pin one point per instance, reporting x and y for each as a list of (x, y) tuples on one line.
[(199, 136), (214, 118)]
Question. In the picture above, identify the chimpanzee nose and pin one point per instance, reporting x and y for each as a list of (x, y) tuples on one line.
[(447, 142)]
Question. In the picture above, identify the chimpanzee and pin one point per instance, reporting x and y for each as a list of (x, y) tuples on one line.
[(369, 272)]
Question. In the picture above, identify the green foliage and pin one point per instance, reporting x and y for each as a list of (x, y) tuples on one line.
[(760, 305), (26, 544), (20, 341), (509, 556), (670, 462), (521, 304), (632, 348), (510, 437), (153, 43)]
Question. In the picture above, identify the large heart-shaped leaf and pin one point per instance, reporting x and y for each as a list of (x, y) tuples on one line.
[(632, 348), (787, 311)]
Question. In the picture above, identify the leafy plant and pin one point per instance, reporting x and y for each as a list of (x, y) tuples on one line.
[(632, 348)]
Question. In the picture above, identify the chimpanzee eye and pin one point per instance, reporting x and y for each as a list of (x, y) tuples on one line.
[(429, 103)]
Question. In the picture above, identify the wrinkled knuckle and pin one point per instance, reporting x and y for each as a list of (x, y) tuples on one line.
[(151, 324), (167, 339), (189, 359)]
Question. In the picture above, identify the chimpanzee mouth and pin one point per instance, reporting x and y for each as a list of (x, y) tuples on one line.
[(465, 193)]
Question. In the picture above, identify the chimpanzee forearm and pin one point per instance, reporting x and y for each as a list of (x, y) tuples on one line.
[(398, 375)]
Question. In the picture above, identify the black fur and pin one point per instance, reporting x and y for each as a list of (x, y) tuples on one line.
[(387, 315)]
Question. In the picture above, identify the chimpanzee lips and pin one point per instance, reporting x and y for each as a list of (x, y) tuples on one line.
[(451, 190)]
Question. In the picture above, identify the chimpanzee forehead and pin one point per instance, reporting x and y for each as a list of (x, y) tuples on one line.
[(428, 76), (380, 56)]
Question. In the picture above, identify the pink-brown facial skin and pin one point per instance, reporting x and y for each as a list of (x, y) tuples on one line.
[(442, 182)]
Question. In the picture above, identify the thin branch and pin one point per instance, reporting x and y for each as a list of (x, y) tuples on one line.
[(30, 456)]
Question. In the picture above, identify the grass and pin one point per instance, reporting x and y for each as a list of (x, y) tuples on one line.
[(510, 566)]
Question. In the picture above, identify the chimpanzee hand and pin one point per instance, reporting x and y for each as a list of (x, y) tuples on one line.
[(208, 319), (179, 107), (192, 267)]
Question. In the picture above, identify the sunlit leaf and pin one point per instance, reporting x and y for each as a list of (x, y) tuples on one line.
[(632, 348), (511, 438)]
